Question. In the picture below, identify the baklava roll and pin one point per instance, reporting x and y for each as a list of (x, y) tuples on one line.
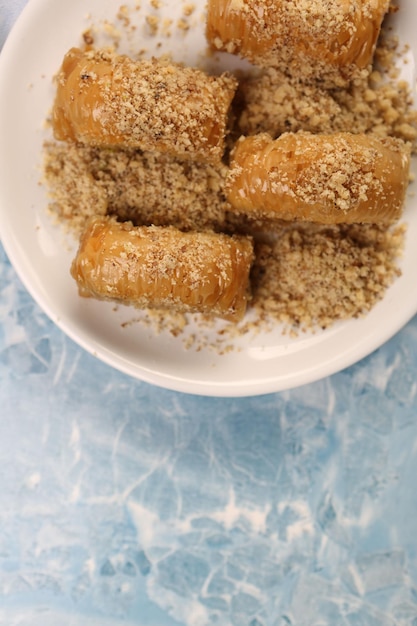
[(329, 40), (327, 179), (104, 99), (162, 267)]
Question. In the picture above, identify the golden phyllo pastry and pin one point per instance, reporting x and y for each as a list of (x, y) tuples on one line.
[(327, 179), (330, 40), (104, 99), (162, 267)]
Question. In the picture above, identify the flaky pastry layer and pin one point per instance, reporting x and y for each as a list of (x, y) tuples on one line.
[(105, 99), (162, 267), (341, 178), (330, 40)]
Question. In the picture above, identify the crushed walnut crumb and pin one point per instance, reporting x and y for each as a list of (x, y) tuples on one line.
[(153, 23), (188, 9)]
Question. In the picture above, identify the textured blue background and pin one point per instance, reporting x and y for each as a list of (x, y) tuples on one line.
[(124, 503)]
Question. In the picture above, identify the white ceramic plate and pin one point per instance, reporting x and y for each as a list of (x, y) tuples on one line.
[(41, 255)]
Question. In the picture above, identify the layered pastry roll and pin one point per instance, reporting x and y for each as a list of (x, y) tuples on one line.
[(327, 179), (104, 99), (330, 40), (162, 267)]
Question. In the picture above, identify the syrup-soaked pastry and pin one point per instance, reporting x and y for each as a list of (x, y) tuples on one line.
[(105, 99), (341, 178), (162, 267), (328, 40)]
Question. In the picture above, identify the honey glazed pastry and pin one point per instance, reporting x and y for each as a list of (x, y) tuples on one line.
[(341, 178), (105, 99), (162, 267), (332, 41)]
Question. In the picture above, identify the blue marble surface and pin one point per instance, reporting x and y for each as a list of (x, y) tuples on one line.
[(121, 503)]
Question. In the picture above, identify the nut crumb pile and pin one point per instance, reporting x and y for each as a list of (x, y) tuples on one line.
[(380, 104), (143, 187), (304, 277), (314, 275)]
